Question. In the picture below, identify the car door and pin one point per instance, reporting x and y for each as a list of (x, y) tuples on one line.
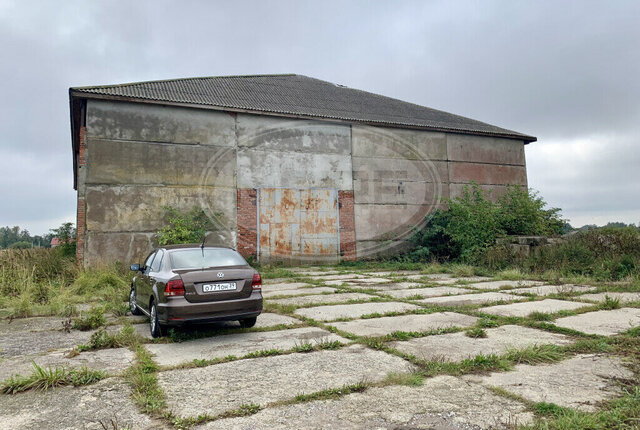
[(143, 286), (155, 271)]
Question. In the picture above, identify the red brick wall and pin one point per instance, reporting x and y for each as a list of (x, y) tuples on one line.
[(81, 210), (347, 225), (247, 222)]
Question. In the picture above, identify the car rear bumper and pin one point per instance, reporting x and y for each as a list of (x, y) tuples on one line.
[(179, 311)]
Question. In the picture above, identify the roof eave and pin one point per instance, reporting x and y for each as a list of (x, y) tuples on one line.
[(525, 138)]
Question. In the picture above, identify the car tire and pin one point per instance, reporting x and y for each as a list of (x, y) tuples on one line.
[(248, 322), (133, 307), (154, 325)]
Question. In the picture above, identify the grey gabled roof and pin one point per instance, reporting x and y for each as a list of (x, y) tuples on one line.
[(294, 95)]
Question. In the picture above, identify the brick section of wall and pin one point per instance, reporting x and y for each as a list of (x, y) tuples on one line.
[(247, 222), (347, 225), (82, 145), (80, 230)]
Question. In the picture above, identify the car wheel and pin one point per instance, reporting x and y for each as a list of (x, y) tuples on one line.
[(248, 322), (154, 325), (133, 307)]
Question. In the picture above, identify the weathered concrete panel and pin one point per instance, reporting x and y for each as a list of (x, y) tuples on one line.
[(278, 134), (140, 208), (387, 222), (397, 143), (487, 173), (400, 192), (120, 162), (478, 149), (384, 248), (493, 192), (379, 169), (155, 123), (293, 170), (128, 248)]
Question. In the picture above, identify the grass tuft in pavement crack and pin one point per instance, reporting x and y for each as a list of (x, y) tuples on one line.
[(143, 378), (46, 378)]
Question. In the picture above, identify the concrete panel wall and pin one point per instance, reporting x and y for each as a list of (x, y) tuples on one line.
[(399, 176), (275, 152), (141, 158), (156, 123)]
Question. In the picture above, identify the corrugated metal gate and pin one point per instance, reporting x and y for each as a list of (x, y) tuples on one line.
[(294, 224)]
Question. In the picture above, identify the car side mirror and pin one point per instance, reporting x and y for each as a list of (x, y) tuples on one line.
[(135, 267)]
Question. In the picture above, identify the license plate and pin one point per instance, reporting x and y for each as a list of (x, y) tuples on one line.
[(224, 286)]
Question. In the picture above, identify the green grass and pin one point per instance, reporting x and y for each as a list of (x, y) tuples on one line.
[(331, 393), (476, 333), (94, 319), (45, 378), (102, 339), (143, 379), (610, 303)]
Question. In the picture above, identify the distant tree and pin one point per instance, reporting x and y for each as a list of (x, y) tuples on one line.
[(23, 244), (67, 235)]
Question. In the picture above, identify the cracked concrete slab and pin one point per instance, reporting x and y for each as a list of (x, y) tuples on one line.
[(31, 324), (441, 403), (215, 389), (464, 280), (338, 277), (496, 285), (284, 286), (525, 308), (238, 344), (406, 323), (36, 342), (426, 292), (470, 299), (579, 382), (601, 297), (297, 292), (323, 299), (113, 361), (459, 346), (545, 290), (75, 408), (605, 323), (334, 312)]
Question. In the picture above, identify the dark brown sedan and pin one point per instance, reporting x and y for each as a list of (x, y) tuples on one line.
[(182, 284)]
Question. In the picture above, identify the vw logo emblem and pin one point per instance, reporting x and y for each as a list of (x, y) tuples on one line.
[(220, 275)]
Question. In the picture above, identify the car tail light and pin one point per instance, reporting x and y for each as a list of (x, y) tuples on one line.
[(174, 288), (256, 284)]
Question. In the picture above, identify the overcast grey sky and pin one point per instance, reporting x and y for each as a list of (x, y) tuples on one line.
[(566, 72)]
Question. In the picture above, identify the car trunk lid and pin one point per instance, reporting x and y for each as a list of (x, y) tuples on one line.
[(214, 284)]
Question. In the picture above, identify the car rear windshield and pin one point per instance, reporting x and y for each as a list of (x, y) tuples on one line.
[(198, 258)]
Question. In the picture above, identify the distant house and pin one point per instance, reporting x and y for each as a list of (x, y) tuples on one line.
[(290, 167), (55, 242)]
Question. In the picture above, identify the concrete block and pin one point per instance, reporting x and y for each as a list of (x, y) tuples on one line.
[(144, 163), (545, 290), (406, 323), (397, 143), (297, 292), (601, 297), (140, 208), (443, 403), (459, 346), (605, 323), (525, 308), (580, 382), (293, 170), (127, 248), (400, 192), (334, 312), (426, 292), (155, 123), (469, 299), (193, 392), (171, 354), (480, 149), (397, 169), (323, 299), (491, 174), (297, 135)]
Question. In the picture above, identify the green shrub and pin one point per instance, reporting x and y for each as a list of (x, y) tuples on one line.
[(184, 227), (522, 212), (23, 244), (93, 320)]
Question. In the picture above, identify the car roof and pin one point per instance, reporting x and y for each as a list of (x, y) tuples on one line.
[(193, 246)]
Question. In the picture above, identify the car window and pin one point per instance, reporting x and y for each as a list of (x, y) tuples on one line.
[(198, 258), (147, 263), (155, 266)]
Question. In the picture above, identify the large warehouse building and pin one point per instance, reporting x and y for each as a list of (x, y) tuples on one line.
[(288, 167)]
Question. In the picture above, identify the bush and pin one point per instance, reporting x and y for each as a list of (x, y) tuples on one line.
[(20, 245), (184, 227), (472, 223)]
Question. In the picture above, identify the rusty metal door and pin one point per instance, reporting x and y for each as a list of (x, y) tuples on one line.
[(298, 224)]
